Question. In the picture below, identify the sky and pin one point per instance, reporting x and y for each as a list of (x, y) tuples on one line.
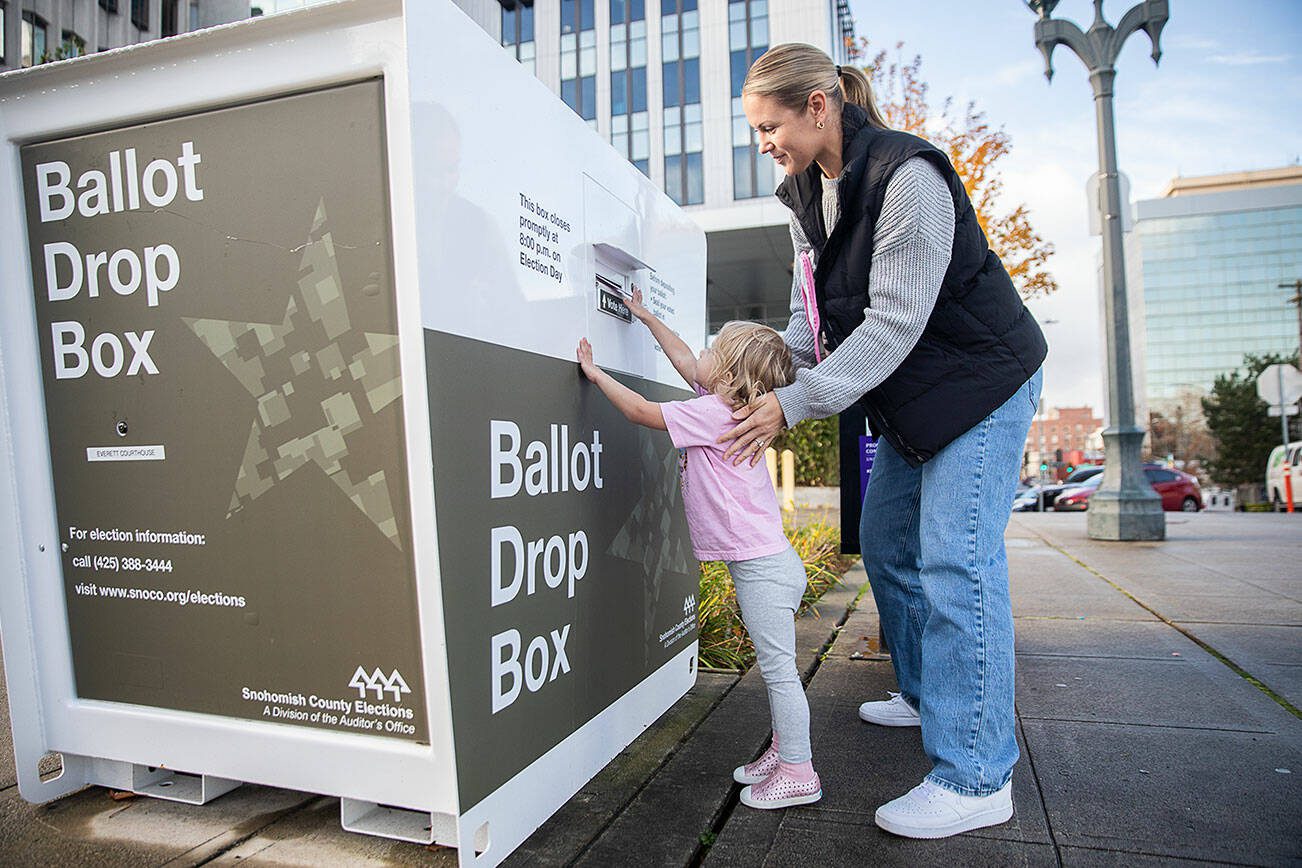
[(1226, 97)]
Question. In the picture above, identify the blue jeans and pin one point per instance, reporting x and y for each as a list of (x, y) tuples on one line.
[(933, 545)]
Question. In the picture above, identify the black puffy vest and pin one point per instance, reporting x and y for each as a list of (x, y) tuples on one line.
[(980, 343)]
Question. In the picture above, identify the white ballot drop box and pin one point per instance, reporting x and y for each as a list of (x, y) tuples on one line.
[(300, 484)]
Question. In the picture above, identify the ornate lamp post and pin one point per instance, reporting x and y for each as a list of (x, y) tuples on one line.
[(1125, 507)]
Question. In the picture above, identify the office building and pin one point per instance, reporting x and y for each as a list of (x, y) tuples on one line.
[(1063, 431), (38, 31), (1213, 254), (661, 81)]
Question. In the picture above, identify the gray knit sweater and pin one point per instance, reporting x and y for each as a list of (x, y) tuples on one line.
[(911, 250)]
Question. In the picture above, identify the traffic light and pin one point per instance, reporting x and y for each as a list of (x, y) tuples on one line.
[(1043, 466)]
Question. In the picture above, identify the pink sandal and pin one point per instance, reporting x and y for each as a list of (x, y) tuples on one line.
[(781, 790), (754, 773)]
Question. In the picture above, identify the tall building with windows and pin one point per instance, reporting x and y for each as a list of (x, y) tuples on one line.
[(1213, 253), (38, 31), (661, 81)]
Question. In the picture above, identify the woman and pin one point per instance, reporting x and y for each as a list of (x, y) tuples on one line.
[(918, 325)]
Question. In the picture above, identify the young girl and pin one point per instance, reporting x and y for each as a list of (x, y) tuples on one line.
[(732, 513)]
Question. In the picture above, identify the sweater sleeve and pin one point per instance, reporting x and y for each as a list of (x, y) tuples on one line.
[(911, 251)]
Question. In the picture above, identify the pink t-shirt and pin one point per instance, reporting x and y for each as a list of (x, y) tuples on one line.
[(732, 511)]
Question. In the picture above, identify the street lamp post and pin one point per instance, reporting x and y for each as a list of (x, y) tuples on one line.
[(1125, 507)]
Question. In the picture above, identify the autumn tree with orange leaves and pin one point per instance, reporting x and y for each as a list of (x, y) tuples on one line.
[(974, 147)]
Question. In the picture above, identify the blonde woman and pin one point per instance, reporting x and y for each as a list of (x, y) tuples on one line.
[(901, 311), (732, 514)]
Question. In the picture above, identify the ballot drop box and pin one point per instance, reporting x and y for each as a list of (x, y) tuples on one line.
[(300, 483)]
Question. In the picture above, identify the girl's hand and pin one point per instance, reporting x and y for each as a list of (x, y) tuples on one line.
[(635, 305), (590, 369), (759, 424)]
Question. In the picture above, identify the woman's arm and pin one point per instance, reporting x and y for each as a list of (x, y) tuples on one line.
[(635, 408), (911, 251)]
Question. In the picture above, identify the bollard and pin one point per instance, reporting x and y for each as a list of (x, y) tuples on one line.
[(771, 460), (788, 480)]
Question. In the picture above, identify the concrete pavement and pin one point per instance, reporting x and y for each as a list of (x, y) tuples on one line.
[(1157, 686)]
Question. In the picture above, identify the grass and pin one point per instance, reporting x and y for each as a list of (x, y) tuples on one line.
[(724, 643)]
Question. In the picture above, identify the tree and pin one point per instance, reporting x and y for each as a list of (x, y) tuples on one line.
[(975, 148), (1176, 427), (1238, 421)]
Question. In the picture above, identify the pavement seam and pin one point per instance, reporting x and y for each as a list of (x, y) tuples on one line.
[(239, 840), (734, 796), (615, 815), (1150, 725), (1234, 667), (1164, 857), (1218, 572), (1039, 789)]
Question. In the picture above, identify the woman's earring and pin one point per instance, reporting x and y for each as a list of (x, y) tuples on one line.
[(819, 125)]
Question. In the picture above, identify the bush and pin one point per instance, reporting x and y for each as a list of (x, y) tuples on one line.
[(815, 444), (724, 643)]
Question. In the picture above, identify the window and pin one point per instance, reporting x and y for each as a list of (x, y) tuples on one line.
[(629, 123), (109, 5), (1155, 476), (168, 26), (517, 33), (748, 37), (72, 45), (33, 48), (579, 58), (140, 14), (680, 44), (2, 32)]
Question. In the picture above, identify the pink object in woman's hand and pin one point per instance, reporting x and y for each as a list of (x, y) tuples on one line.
[(811, 302)]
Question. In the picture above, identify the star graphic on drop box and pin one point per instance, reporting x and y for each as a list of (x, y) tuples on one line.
[(318, 384)]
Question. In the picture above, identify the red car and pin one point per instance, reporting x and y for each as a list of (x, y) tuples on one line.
[(1179, 491)]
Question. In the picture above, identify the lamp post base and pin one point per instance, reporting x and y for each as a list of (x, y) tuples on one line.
[(1125, 508)]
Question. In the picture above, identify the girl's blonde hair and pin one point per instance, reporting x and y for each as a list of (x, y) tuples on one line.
[(792, 71), (750, 360)]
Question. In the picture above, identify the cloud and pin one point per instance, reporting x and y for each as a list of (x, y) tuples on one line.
[(1248, 58)]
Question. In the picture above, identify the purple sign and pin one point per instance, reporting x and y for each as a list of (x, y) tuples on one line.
[(867, 452)]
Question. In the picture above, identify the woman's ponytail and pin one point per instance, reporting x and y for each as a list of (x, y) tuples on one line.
[(857, 89)]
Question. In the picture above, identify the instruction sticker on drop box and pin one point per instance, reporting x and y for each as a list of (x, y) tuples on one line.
[(218, 343)]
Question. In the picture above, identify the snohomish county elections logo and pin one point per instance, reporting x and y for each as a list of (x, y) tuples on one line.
[(379, 683)]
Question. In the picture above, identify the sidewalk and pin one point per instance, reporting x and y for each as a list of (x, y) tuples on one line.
[(1144, 737)]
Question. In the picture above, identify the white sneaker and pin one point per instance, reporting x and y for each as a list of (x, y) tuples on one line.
[(890, 712), (931, 811)]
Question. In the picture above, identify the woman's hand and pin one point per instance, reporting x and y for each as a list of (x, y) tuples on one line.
[(759, 424)]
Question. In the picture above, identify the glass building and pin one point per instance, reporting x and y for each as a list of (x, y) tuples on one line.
[(1213, 253), (661, 81)]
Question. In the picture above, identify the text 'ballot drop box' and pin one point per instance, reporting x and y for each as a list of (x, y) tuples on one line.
[(302, 485)]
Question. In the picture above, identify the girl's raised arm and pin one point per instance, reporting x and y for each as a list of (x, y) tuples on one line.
[(680, 354)]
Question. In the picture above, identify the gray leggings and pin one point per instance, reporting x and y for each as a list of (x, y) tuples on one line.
[(769, 591)]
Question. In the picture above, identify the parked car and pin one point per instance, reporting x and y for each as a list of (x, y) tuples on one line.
[(1179, 491), (1275, 490), (1028, 500), (1076, 498)]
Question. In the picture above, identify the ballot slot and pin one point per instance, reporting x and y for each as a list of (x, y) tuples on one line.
[(611, 293)]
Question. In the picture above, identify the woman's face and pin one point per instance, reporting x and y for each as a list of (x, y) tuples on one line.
[(790, 136)]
